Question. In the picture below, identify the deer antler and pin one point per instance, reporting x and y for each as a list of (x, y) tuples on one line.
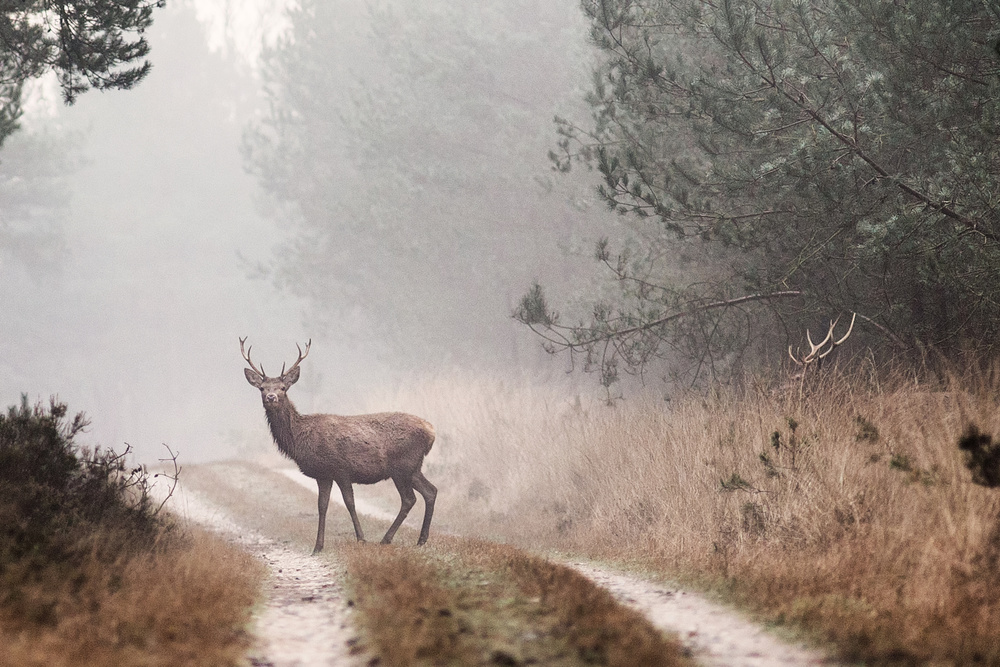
[(301, 357), (816, 353), (835, 343), (815, 349), (246, 356)]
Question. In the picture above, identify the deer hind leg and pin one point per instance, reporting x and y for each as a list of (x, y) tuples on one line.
[(347, 490), (429, 492), (406, 501), (324, 501)]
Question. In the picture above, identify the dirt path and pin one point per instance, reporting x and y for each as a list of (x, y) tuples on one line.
[(714, 634), (304, 619)]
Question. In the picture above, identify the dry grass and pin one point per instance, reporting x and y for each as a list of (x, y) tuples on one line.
[(847, 511), (187, 602), (466, 601)]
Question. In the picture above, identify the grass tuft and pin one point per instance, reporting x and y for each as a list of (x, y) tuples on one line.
[(601, 630), (408, 614)]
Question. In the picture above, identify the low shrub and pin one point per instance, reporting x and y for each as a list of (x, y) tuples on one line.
[(92, 573), (54, 494)]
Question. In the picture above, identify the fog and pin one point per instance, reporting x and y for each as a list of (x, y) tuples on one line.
[(145, 247)]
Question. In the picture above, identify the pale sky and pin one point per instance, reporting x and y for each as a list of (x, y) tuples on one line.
[(242, 26)]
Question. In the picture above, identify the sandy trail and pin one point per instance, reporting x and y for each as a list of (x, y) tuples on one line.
[(304, 619), (714, 634)]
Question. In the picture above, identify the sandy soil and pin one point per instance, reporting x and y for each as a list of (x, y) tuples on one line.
[(305, 619), (714, 634)]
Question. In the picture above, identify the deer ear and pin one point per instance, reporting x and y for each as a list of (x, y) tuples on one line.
[(291, 377), (253, 377)]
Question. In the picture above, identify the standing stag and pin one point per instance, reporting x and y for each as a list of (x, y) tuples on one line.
[(348, 450)]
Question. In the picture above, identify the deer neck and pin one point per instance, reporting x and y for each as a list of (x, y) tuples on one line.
[(281, 419)]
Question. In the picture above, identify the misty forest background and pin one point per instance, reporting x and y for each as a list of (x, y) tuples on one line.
[(669, 190), (144, 231)]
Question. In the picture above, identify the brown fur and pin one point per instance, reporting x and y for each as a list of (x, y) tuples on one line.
[(348, 450)]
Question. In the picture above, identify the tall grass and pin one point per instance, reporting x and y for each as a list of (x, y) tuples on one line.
[(845, 508)]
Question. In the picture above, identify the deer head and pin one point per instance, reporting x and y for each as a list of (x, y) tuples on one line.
[(272, 390)]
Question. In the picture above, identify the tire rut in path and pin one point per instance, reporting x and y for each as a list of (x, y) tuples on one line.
[(304, 619), (716, 636)]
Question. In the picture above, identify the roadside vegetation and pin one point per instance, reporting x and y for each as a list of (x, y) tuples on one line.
[(844, 507), (92, 573)]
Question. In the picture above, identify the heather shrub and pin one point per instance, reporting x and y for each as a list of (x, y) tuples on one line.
[(61, 503)]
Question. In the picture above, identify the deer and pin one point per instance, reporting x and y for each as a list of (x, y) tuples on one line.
[(348, 450), (817, 353)]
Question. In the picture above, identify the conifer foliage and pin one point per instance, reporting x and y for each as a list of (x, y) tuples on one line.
[(87, 43), (784, 161)]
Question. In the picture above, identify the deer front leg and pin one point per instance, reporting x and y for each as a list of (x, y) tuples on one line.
[(324, 501), (347, 491)]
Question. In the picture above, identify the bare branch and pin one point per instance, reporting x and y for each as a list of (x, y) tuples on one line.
[(693, 310), (174, 477)]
